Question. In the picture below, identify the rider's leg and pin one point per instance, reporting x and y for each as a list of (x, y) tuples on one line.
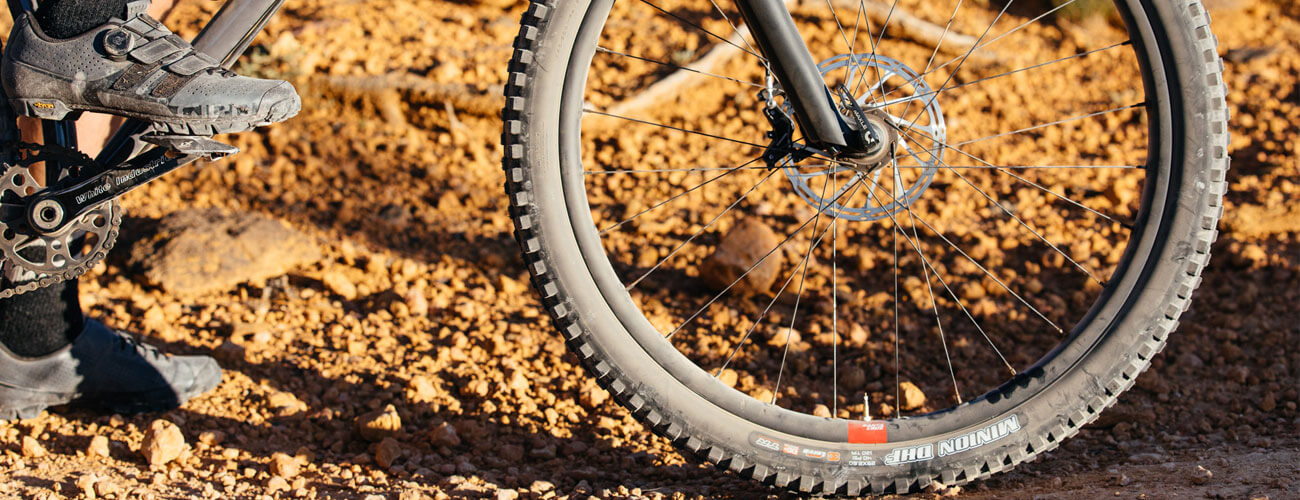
[(49, 354), (42, 321)]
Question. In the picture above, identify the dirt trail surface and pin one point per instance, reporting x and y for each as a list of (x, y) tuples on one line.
[(411, 359)]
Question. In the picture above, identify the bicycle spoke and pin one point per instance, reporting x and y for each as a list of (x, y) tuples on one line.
[(978, 46), (897, 345), (759, 319), (1023, 223), (988, 273), (707, 32), (835, 310), (947, 27), (750, 269), (701, 231), (934, 305), (799, 297), (1000, 75), (667, 170), (1038, 186), (965, 57), (1058, 122), (679, 195), (1022, 167), (676, 66), (912, 217), (670, 127)]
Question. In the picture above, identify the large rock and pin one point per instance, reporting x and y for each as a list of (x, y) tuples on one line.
[(742, 247), (210, 250)]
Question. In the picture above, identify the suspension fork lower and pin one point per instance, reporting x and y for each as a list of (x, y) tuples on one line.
[(792, 65)]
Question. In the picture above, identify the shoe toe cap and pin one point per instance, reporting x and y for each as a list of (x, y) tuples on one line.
[(281, 102), (203, 372)]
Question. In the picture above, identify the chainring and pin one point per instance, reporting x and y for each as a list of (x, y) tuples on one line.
[(30, 260)]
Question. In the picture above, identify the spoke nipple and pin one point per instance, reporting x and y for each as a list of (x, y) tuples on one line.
[(866, 407)]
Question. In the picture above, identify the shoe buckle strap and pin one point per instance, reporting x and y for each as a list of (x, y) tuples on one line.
[(159, 49), (190, 64), (136, 8), (142, 26)]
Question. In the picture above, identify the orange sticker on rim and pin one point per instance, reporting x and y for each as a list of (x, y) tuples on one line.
[(867, 433)]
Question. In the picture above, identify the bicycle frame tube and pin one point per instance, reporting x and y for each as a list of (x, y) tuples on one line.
[(792, 65)]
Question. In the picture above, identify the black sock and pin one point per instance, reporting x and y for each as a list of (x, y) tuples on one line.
[(41, 321), (69, 18)]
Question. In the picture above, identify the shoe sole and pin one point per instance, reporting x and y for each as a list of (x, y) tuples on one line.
[(22, 404), (54, 109)]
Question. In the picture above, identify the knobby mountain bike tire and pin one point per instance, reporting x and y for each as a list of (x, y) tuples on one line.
[(833, 374)]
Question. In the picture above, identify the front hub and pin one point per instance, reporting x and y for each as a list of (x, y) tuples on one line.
[(901, 147), (880, 141)]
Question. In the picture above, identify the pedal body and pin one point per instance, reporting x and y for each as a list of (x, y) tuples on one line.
[(192, 145)]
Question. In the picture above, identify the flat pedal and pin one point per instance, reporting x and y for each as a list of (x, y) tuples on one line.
[(192, 145)]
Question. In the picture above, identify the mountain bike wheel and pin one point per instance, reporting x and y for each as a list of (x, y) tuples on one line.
[(1045, 216)]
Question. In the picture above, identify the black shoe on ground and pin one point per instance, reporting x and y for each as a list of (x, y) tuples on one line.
[(103, 369)]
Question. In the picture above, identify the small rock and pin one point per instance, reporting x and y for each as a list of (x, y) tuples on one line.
[(739, 250), (822, 411), (212, 438), (230, 352), (1201, 475), (913, 398), (421, 390), (285, 404), (728, 377), (105, 488), (592, 394), (1268, 402), (284, 465), (32, 448), (785, 337), (163, 442), (98, 447), (519, 382), (853, 377), (379, 424), (444, 435), (541, 486), (512, 453), (277, 483), (387, 452), (1190, 360), (340, 284), (86, 483), (416, 303), (857, 334), (507, 494)]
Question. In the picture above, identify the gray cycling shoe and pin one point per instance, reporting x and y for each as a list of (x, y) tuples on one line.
[(104, 369), (139, 69)]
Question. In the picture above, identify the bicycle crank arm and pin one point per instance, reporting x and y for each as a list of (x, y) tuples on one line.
[(52, 211)]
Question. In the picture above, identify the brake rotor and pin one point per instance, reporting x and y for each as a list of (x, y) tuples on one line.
[(899, 99)]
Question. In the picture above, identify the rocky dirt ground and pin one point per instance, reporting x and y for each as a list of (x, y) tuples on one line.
[(386, 343)]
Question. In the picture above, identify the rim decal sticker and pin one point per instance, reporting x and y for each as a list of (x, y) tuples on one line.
[(867, 433)]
